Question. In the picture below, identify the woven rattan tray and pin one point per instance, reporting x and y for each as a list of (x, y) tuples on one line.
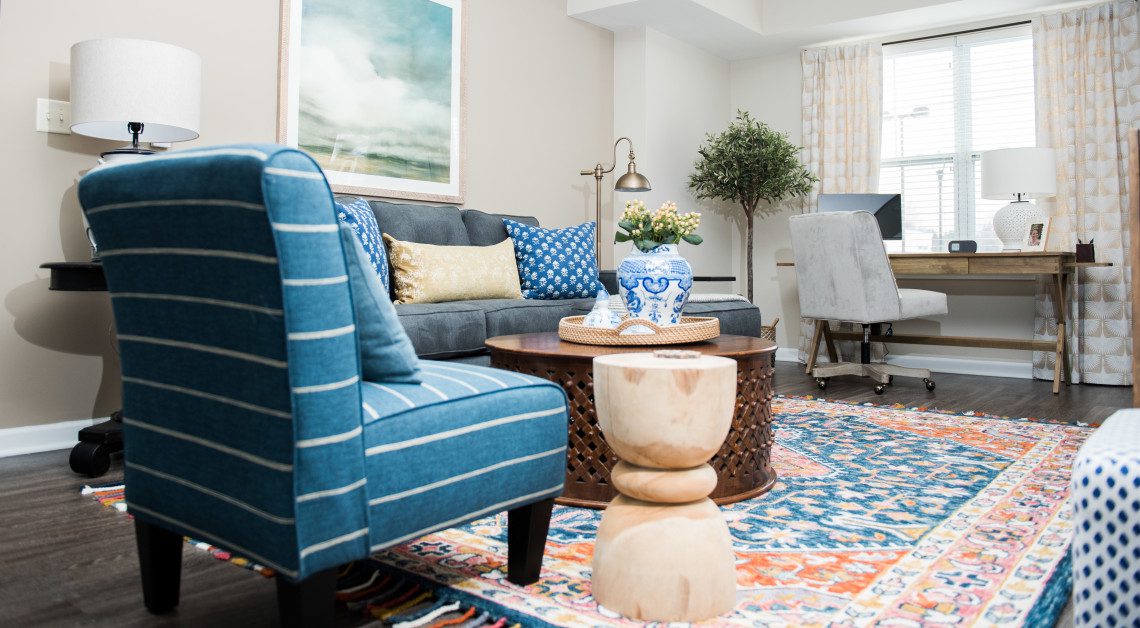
[(690, 329)]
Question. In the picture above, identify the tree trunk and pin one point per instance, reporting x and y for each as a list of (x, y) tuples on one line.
[(748, 213)]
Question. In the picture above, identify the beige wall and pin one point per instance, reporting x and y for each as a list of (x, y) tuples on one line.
[(687, 98), (540, 108), (770, 88), (667, 95)]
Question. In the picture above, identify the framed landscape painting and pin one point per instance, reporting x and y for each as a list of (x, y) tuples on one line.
[(373, 90)]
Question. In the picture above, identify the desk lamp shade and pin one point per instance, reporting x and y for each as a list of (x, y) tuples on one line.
[(118, 84), (1017, 174)]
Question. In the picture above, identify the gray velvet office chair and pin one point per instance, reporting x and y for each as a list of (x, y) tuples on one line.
[(844, 275)]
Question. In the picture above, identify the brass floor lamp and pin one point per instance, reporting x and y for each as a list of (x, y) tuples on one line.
[(631, 181)]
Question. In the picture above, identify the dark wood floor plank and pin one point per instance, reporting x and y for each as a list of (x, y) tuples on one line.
[(1000, 396), (67, 561)]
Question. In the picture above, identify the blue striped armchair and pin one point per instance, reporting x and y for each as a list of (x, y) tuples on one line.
[(247, 422)]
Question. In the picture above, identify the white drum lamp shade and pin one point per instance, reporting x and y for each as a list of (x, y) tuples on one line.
[(1009, 173), (115, 82), (1017, 174)]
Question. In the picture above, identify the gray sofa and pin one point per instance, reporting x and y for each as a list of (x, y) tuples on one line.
[(457, 330)]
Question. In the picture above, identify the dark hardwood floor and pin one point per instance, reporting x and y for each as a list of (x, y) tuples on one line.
[(1000, 396), (66, 561)]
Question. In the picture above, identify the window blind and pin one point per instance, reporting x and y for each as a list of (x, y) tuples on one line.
[(945, 101)]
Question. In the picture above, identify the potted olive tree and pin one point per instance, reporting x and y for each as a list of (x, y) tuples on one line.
[(747, 163)]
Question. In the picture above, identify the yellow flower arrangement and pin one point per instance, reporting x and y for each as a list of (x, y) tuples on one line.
[(649, 230)]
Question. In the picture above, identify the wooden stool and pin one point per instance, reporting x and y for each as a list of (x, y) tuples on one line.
[(663, 551)]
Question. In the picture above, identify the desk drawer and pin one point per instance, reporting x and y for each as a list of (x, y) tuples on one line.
[(929, 266), (1013, 265)]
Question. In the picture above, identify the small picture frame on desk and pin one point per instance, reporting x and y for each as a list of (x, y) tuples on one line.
[(1036, 236)]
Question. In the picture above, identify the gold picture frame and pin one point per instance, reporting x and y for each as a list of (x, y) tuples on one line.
[(379, 121)]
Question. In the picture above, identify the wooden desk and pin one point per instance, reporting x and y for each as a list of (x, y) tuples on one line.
[(1057, 266)]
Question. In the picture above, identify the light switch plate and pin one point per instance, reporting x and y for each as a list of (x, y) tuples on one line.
[(53, 116)]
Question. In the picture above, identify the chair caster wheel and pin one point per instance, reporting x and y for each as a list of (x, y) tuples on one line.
[(90, 459), (821, 382), (929, 383), (879, 388), (890, 379)]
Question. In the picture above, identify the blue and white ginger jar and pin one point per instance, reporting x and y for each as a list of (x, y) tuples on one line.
[(655, 285)]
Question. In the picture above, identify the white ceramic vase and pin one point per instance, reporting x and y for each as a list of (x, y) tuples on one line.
[(1012, 221)]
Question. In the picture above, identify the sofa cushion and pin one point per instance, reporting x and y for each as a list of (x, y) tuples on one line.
[(421, 223), (525, 316), (509, 428), (737, 318), (486, 229), (440, 330), (357, 213), (426, 273), (555, 263), (457, 328), (386, 352)]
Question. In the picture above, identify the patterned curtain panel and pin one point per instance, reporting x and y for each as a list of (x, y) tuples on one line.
[(1088, 95), (841, 105)]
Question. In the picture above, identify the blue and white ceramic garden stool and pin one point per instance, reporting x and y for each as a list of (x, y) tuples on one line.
[(1106, 524)]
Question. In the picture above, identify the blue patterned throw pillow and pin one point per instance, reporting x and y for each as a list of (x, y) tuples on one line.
[(357, 214), (555, 263)]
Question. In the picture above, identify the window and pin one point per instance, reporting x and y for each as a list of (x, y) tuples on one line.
[(945, 101)]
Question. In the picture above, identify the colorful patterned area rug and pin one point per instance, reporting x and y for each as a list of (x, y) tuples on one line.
[(881, 515)]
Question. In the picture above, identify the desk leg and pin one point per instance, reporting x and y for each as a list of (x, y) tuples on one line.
[(1060, 311), (1065, 296), (1059, 359), (813, 348)]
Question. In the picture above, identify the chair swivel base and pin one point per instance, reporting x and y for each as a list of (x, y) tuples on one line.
[(881, 373)]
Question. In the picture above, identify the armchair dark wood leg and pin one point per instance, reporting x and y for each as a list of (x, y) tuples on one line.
[(160, 563), (526, 541), (308, 603)]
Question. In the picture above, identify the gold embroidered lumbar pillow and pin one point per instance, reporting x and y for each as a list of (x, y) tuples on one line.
[(427, 273)]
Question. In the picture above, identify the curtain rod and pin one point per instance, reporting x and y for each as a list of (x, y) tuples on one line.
[(956, 33)]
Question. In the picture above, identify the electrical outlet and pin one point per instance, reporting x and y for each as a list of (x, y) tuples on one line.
[(53, 116)]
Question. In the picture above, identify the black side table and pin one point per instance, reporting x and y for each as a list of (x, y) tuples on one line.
[(97, 443)]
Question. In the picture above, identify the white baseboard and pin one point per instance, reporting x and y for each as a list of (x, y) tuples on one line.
[(787, 354), (965, 366), (942, 364), (16, 441)]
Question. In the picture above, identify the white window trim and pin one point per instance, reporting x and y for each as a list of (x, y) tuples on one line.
[(962, 161)]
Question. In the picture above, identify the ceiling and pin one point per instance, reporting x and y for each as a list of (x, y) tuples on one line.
[(744, 29)]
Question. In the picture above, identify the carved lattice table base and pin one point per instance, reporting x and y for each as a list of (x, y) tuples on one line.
[(743, 465)]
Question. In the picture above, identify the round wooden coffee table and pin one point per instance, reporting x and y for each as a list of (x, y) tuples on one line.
[(743, 465)]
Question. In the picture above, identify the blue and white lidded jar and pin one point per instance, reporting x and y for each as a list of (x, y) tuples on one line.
[(655, 285)]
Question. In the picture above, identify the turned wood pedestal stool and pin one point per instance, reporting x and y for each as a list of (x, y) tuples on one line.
[(663, 551), (743, 464)]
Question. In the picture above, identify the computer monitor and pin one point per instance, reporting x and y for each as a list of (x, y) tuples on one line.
[(887, 209)]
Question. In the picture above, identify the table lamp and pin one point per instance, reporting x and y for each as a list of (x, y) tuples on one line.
[(136, 90), (631, 181), (1018, 174)]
